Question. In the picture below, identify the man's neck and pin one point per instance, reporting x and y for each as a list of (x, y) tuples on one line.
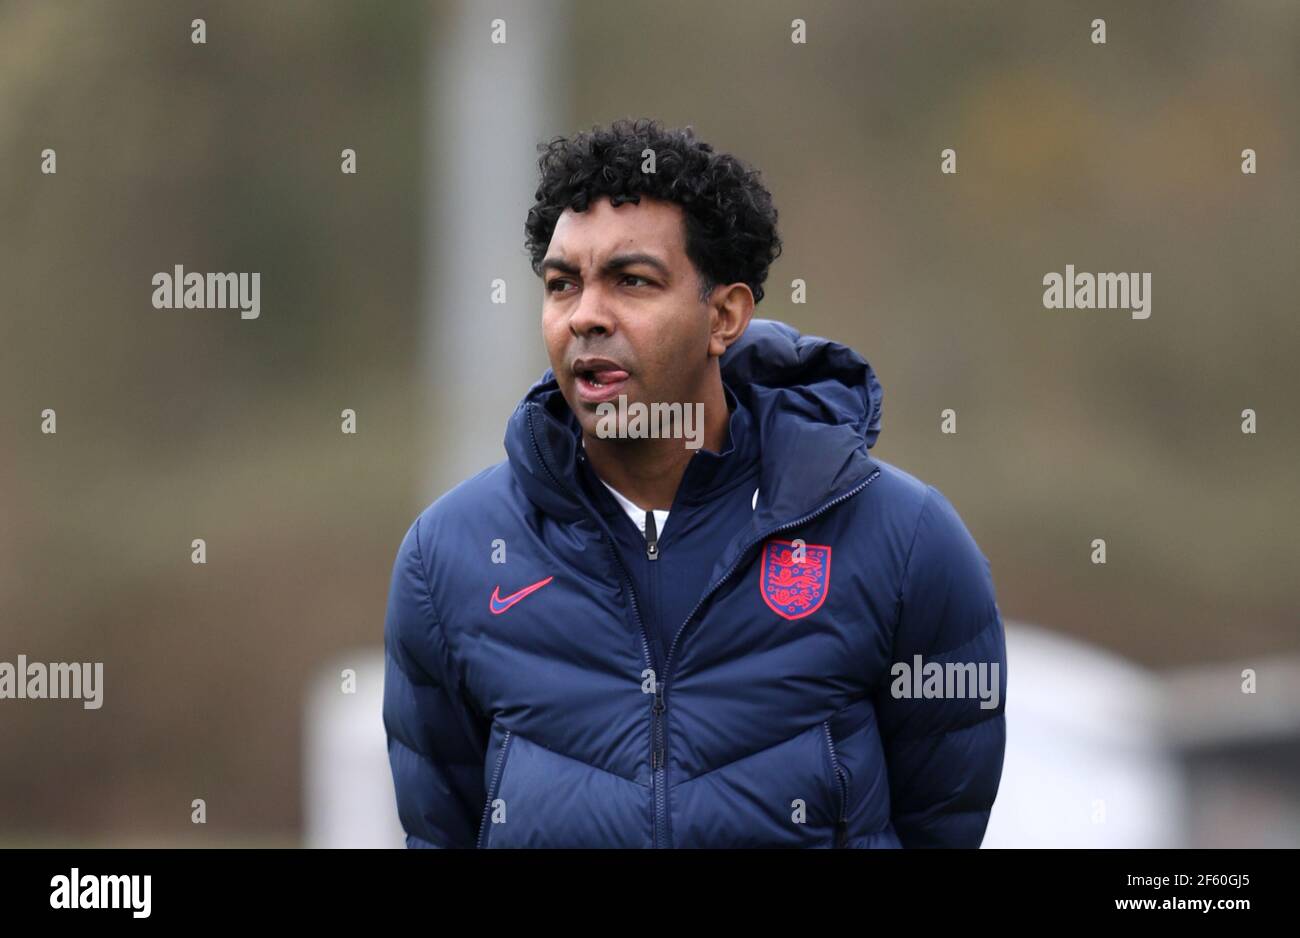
[(649, 471)]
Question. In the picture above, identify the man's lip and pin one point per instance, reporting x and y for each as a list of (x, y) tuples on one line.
[(596, 364), (612, 376), (589, 393)]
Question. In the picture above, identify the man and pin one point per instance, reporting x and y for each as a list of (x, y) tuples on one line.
[(612, 639)]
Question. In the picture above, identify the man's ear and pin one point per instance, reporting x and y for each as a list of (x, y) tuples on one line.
[(730, 309)]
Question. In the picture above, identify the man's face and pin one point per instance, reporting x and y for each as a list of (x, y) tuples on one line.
[(621, 310)]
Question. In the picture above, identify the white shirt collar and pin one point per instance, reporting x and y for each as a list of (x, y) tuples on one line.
[(637, 514)]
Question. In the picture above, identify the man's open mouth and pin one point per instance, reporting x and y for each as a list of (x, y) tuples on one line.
[(599, 379)]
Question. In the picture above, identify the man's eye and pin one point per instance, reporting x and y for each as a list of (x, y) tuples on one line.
[(635, 277), (551, 287)]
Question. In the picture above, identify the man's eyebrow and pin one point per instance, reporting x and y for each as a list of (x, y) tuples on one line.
[(619, 261), (615, 263), (555, 263)]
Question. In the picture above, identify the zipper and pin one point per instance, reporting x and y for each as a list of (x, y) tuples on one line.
[(657, 759), (657, 706), (492, 790), (841, 822), (658, 730)]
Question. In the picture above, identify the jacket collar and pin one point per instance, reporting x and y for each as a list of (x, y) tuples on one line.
[(807, 410), (708, 474)]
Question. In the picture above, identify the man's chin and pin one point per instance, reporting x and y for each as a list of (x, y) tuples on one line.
[(598, 418)]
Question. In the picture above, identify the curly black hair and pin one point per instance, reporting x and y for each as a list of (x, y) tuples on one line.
[(730, 219)]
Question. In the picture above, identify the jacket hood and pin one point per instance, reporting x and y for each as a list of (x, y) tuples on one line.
[(837, 384), (815, 405)]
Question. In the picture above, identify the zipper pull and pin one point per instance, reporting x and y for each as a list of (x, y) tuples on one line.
[(651, 536), (659, 706)]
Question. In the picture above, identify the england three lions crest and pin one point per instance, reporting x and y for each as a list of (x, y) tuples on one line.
[(794, 577)]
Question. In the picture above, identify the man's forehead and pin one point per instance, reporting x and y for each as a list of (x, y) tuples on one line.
[(651, 226)]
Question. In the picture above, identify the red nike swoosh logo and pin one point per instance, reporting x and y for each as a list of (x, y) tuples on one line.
[(499, 605)]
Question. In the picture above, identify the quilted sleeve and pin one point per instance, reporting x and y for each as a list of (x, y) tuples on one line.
[(941, 707), (436, 740)]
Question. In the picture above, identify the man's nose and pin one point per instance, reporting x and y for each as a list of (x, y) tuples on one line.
[(593, 314)]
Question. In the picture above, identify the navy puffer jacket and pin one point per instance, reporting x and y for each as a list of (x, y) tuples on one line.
[(528, 704)]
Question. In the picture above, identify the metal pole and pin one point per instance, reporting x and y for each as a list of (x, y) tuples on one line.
[(488, 105)]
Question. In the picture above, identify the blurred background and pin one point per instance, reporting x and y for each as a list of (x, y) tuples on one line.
[(1127, 725)]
